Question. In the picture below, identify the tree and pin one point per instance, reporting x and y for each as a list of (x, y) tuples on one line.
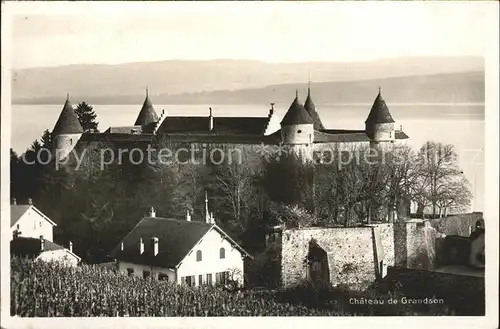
[(86, 116), (46, 140), (439, 176)]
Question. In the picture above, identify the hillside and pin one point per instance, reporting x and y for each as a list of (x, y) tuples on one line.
[(125, 83), (467, 87)]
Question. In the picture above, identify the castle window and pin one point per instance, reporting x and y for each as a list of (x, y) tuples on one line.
[(299, 131), (198, 256), (222, 253)]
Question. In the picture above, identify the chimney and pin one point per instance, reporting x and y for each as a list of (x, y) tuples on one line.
[(152, 212), (154, 245), (212, 218), (141, 246), (14, 201), (71, 246), (30, 201), (42, 243), (211, 120), (188, 216)]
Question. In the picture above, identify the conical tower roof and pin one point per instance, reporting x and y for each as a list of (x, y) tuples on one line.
[(148, 114), (379, 112), (296, 114), (311, 109), (68, 121)]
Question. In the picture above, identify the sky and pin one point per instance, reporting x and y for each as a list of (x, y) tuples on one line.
[(48, 34)]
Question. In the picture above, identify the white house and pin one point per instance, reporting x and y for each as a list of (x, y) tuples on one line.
[(44, 250), (181, 251), (28, 221)]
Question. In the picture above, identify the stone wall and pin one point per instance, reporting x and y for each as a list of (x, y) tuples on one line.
[(458, 224), (357, 256), (421, 245), (350, 253)]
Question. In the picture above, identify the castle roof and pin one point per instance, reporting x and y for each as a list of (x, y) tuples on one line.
[(221, 125), (68, 121), (148, 114), (311, 109), (379, 112), (296, 114), (176, 238)]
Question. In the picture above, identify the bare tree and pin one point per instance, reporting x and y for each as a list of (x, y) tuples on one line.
[(437, 174)]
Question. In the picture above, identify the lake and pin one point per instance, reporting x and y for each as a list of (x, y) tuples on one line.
[(459, 124)]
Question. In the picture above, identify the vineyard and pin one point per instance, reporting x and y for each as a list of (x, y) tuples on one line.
[(40, 289)]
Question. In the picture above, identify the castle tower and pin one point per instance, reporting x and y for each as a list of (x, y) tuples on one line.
[(297, 126), (379, 125), (66, 132), (311, 109), (147, 116)]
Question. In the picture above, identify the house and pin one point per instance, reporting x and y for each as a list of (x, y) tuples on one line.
[(28, 221), (43, 249), (180, 251)]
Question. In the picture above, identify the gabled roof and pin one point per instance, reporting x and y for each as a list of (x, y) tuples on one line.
[(400, 135), (221, 125), (176, 238), (296, 114), (379, 112), (17, 211), (68, 121), (148, 114), (311, 109), (31, 247)]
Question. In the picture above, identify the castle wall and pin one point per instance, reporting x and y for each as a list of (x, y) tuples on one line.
[(357, 256), (349, 252), (298, 134), (381, 132), (64, 144)]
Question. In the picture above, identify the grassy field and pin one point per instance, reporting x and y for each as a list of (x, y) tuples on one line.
[(41, 289)]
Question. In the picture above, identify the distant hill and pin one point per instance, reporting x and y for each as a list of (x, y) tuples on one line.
[(193, 81), (466, 87)]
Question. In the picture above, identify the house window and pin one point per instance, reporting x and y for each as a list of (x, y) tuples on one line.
[(222, 253), (17, 226), (209, 278), (221, 277), (189, 280), (200, 280), (162, 277), (130, 271), (146, 274), (198, 256)]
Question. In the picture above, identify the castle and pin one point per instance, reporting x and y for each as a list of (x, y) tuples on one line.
[(301, 129)]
